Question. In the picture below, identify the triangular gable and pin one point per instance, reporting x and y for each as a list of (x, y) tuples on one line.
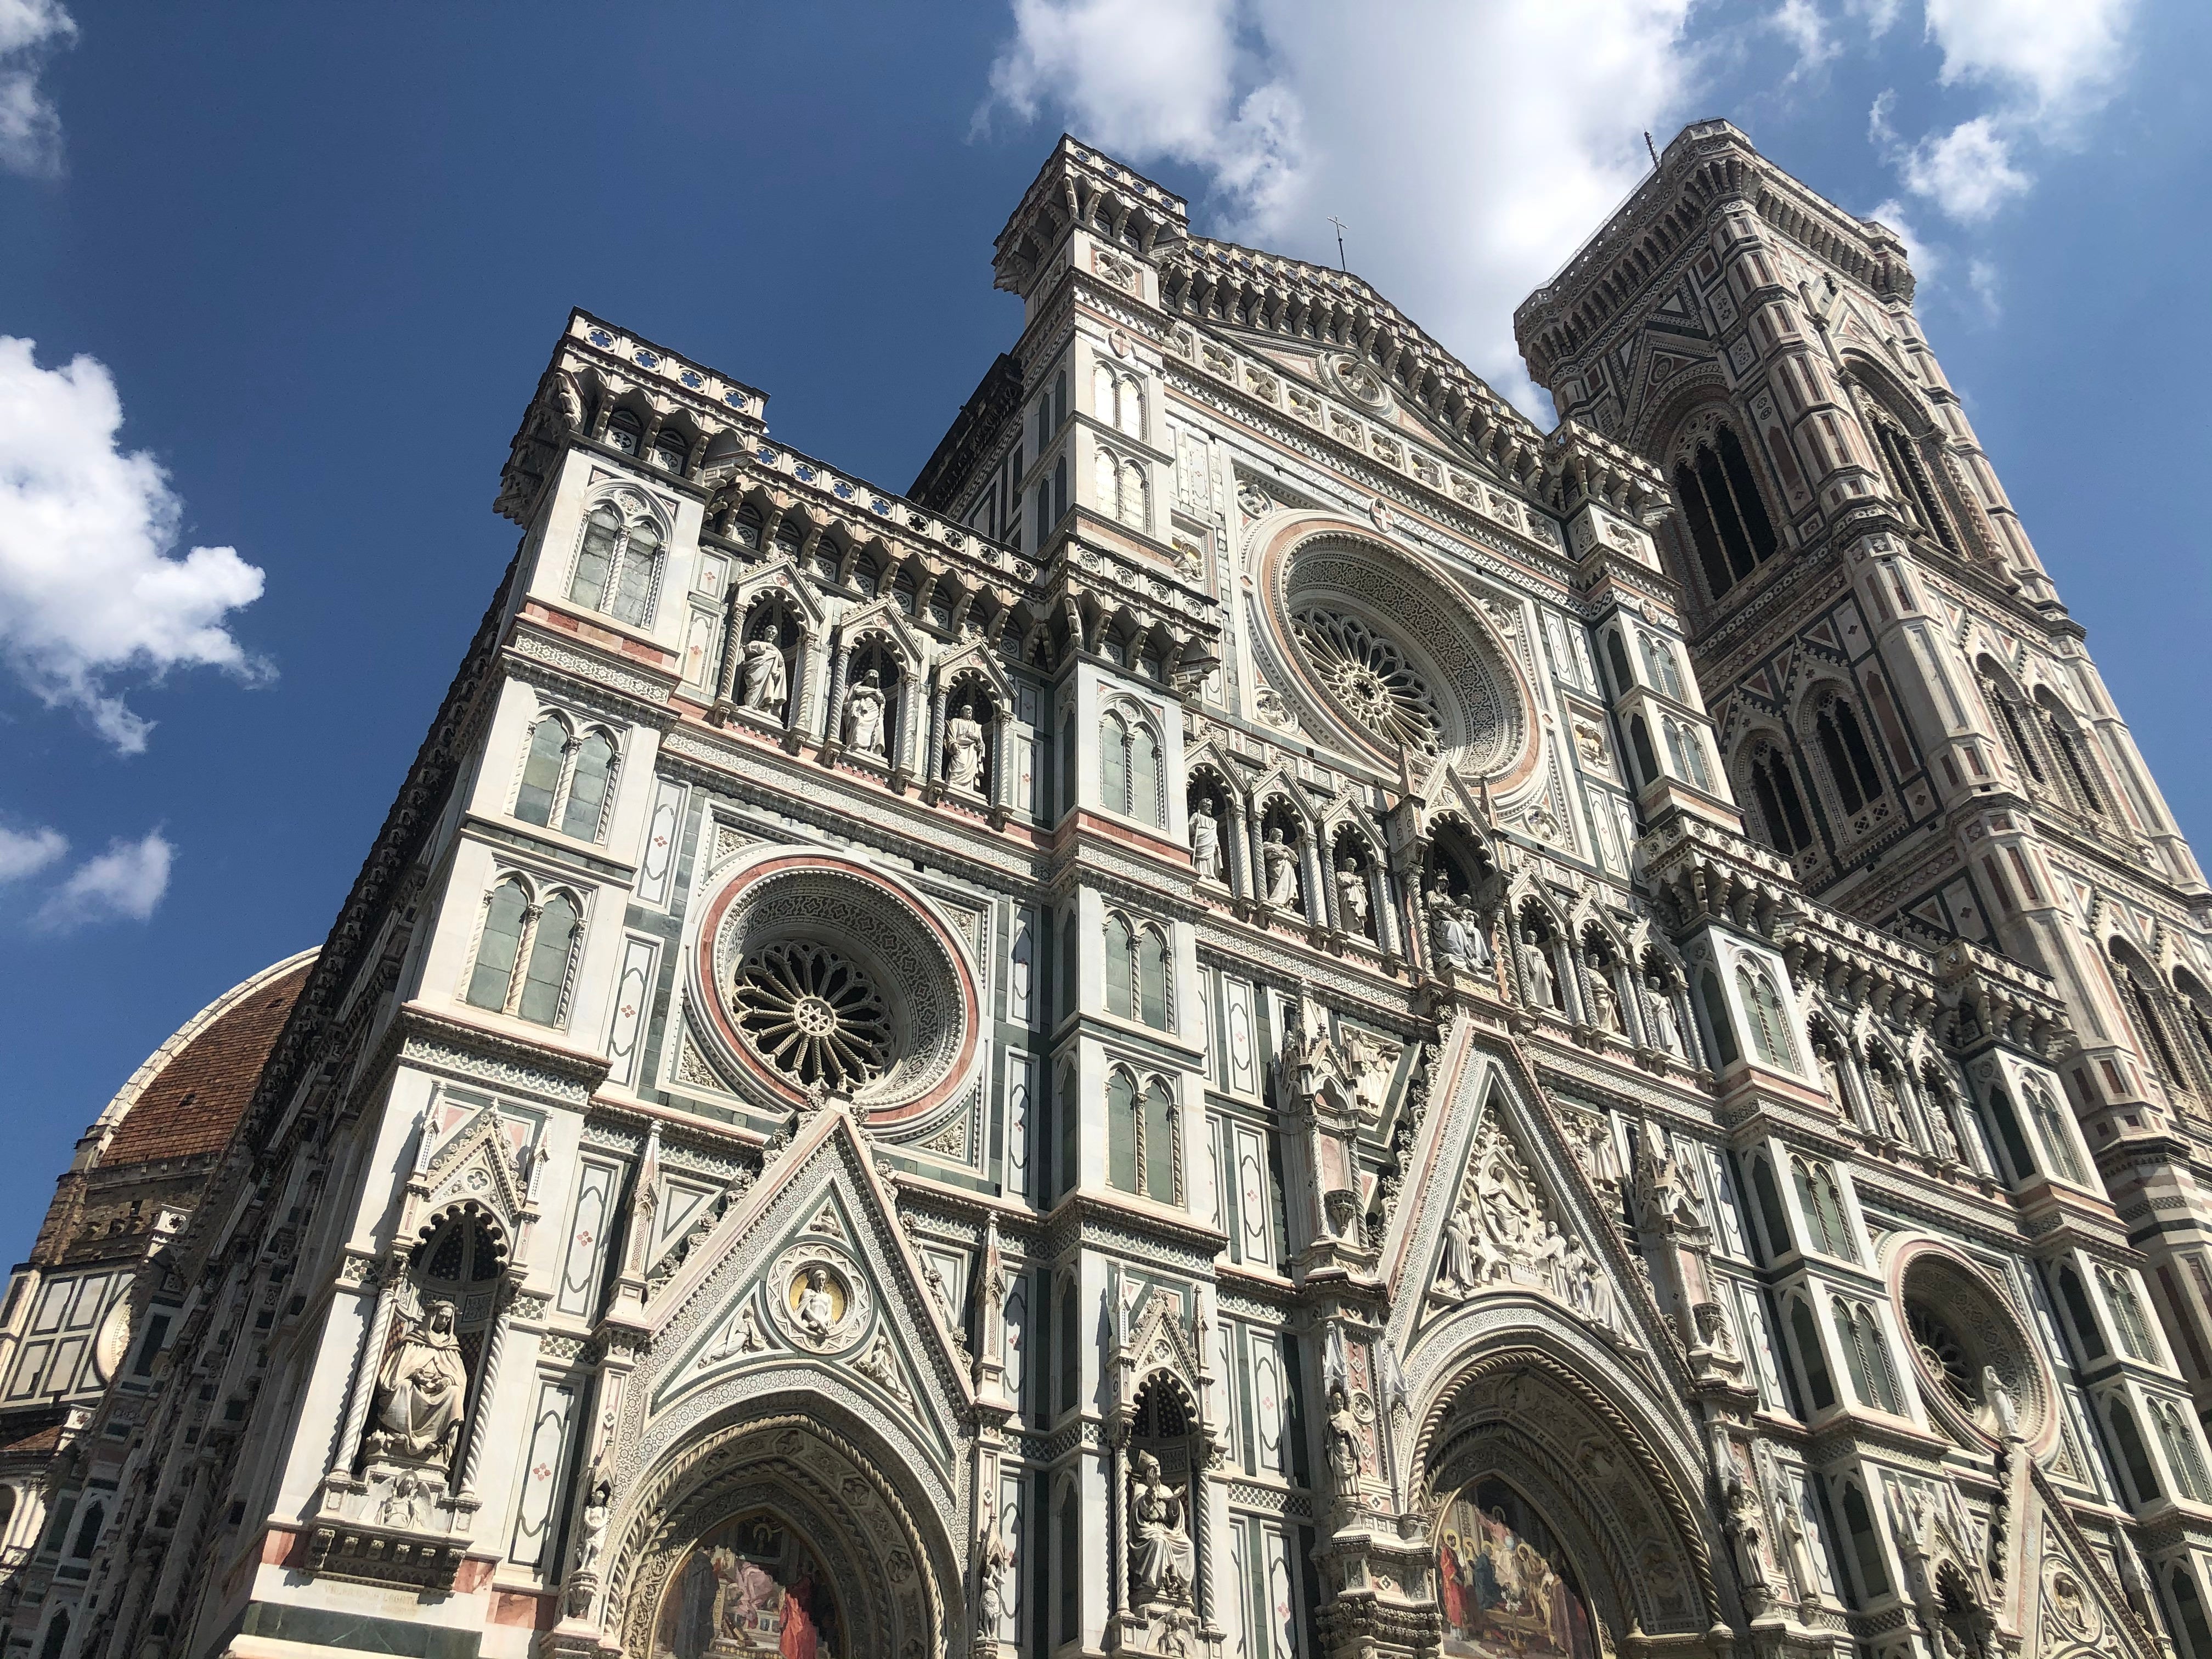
[(884, 615), (782, 574), (808, 1281), (483, 1163)]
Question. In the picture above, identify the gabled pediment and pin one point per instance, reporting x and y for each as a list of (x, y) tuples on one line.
[(808, 1281)]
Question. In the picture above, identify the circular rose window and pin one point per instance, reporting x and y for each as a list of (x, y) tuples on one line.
[(817, 973), (1975, 1361), (1376, 644)]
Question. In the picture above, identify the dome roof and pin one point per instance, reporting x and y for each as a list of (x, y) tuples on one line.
[(188, 1097)]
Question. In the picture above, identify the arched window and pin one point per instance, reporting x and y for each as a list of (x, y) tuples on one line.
[(88, 1532), (2056, 1139), (1819, 1385), (1716, 1016), (500, 946), (1128, 767), (2183, 1455), (1070, 1612), (2128, 1316), (2133, 1452), (2191, 1606), (1822, 1201), (625, 431), (1133, 502), (1865, 1355), (1727, 521), (2015, 730), (544, 986), (56, 1636), (1059, 492), (1778, 1242), (1071, 1345), (1159, 1136), (2068, 743), (1874, 1580), (566, 780), (1639, 739), (1121, 966), (1909, 483), (2086, 1329), (617, 566), (1152, 1000), (1782, 809), (2139, 989), (541, 770), (1659, 665), (1144, 775), (1762, 1007), (588, 787), (1688, 753), (1844, 746), (670, 451), (1122, 1131), (1059, 400), (1618, 656)]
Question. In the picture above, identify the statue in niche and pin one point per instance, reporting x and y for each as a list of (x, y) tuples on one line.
[(1205, 842), (1161, 1559), (2002, 1401), (1742, 1523), (765, 682), (1543, 979), (1351, 897), (1281, 860), (592, 1538), (864, 716), (1605, 1003), (1666, 1031), (1454, 932), (1664, 1188), (1346, 1461), (1889, 1111), (963, 750), (420, 1392), (992, 1559)]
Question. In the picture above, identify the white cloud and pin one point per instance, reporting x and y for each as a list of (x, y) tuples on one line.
[(1967, 172), (1800, 23), (1471, 149), (30, 128), (2056, 58), (26, 851), (88, 589), (2048, 66), (124, 884), (1981, 277)]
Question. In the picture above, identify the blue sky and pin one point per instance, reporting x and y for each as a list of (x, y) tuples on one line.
[(276, 283)]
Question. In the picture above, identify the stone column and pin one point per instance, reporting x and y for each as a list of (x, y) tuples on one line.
[(841, 667), (465, 1472), (394, 1270)]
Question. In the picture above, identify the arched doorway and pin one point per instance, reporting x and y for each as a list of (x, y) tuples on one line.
[(781, 1537), (1506, 1587), (753, 1584)]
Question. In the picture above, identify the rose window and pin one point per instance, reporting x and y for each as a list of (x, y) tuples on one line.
[(1370, 679), (812, 1015), (1943, 1353)]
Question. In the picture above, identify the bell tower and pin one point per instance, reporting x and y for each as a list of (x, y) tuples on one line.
[(1905, 709)]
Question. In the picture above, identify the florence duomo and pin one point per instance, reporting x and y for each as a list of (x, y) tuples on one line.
[(1278, 1015)]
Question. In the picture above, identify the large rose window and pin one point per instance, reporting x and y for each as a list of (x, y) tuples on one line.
[(1369, 677), (1374, 643), (812, 1015), (815, 972), (1976, 1359)]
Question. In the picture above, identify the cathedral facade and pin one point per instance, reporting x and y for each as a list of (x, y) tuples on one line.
[(1277, 1016)]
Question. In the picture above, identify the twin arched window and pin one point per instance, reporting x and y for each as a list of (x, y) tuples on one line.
[(2056, 1139), (1909, 480), (2128, 1315), (524, 953), (1130, 767), (566, 783), (1774, 786), (1118, 400), (1122, 488), (2182, 1453), (1843, 747), (1770, 1026), (1727, 521), (617, 566), (1659, 665), (2069, 744), (1142, 1150), (1689, 754), (1866, 1356), (1138, 982), (1822, 1201)]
